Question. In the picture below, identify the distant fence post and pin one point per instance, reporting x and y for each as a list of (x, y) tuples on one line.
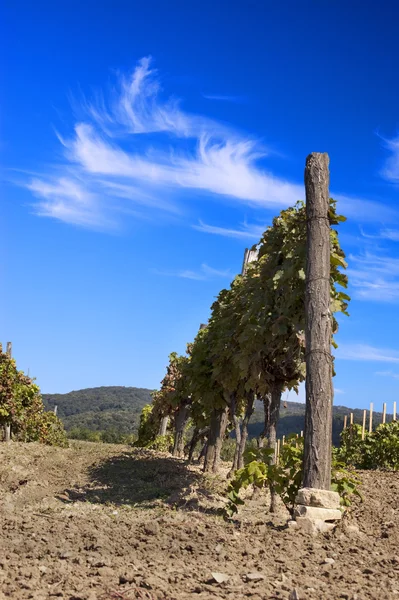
[(364, 424), (394, 411), (55, 410), (384, 412), (345, 421), (371, 418)]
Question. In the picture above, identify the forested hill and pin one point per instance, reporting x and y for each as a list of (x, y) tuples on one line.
[(118, 409), (114, 408)]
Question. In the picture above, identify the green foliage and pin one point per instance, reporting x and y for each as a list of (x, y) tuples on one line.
[(162, 443), (45, 428), (173, 398), (346, 482), (85, 434), (22, 408), (382, 447), (206, 392), (378, 450), (147, 428), (351, 447), (108, 436), (148, 432), (286, 476)]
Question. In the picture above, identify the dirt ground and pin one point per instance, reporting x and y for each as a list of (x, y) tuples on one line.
[(104, 522)]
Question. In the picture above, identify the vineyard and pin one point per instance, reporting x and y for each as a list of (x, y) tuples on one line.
[(254, 346), (168, 517)]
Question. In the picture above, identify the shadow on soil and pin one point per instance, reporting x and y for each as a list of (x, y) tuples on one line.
[(135, 477)]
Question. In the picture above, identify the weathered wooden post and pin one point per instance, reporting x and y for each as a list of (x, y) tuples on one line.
[(317, 505), (249, 256), (319, 390), (163, 425)]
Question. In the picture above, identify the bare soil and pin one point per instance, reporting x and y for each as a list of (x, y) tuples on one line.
[(104, 522)]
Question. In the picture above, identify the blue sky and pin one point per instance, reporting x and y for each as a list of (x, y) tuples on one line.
[(145, 146)]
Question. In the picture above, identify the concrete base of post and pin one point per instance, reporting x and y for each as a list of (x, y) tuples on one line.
[(317, 511)]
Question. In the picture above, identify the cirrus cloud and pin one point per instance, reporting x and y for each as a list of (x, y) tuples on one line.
[(133, 150), (135, 147)]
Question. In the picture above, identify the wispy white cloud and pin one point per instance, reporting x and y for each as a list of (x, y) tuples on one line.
[(380, 290), (135, 107), (382, 234), (129, 146), (364, 352), (390, 170), (374, 277), (253, 232), (390, 234), (388, 374), (365, 211), (225, 98), (134, 146), (68, 200), (222, 168), (338, 391), (205, 273)]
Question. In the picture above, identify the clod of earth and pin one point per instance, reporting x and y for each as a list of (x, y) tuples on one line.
[(220, 577)]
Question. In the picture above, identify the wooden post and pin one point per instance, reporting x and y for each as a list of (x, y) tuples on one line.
[(283, 442), (164, 425), (9, 349), (371, 418), (55, 410), (319, 390), (351, 418), (364, 424), (7, 432), (249, 256), (384, 412), (345, 421), (278, 450), (394, 411), (301, 433)]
